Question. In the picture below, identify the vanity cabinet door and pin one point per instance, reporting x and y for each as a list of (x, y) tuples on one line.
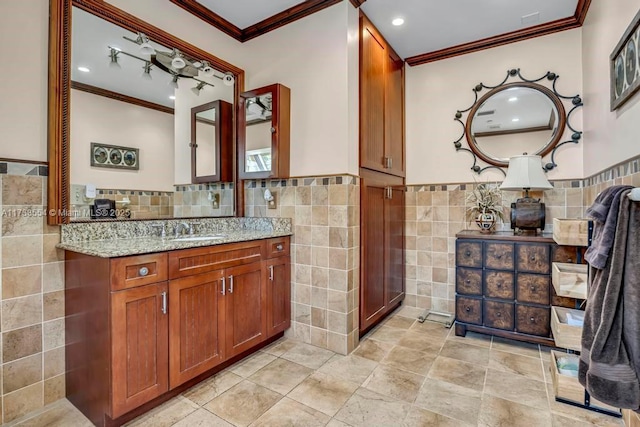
[(278, 295), (196, 325), (246, 307), (139, 356)]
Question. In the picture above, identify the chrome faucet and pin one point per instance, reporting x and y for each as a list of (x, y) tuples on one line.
[(180, 227)]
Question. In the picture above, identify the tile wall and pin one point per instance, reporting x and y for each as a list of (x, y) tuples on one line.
[(193, 200), (32, 309), (325, 254)]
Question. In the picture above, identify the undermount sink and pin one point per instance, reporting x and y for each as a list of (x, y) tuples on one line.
[(198, 238)]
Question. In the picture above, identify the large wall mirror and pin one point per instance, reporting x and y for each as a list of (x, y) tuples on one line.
[(515, 118), (115, 80)]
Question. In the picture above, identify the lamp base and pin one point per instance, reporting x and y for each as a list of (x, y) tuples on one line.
[(527, 213)]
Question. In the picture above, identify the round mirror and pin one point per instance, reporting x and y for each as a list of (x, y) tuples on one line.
[(513, 119)]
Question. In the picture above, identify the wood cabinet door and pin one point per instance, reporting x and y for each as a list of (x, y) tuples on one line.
[(246, 307), (373, 58), (372, 297), (394, 231), (394, 114), (196, 330), (139, 354), (278, 295)]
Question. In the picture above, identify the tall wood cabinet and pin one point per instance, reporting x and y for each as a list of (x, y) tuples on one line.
[(382, 172)]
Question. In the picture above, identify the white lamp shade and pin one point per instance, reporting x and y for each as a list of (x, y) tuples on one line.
[(525, 172)]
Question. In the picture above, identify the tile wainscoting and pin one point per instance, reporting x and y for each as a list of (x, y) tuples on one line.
[(325, 254), (32, 310)]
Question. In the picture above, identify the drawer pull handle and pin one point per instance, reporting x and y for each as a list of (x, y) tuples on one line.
[(533, 258), (533, 289), (279, 247), (467, 309), (467, 281), (230, 284), (499, 284), (532, 320), (569, 260), (224, 286), (271, 273), (164, 303), (143, 271), (498, 314), (468, 253)]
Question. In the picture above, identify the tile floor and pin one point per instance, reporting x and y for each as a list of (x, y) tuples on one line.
[(404, 373)]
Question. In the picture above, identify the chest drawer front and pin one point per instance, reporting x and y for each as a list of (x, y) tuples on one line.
[(533, 320), (277, 247), (498, 256), (132, 271), (566, 254), (499, 284), (469, 310), (533, 288), (469, 281), (498, 315), (468, 254), (533, 258), (188, 262)]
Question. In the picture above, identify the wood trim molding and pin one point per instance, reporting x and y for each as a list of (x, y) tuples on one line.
[(210, 17), (558, 25), (357, 3), (29, 162), (120, 97), (278, 20)]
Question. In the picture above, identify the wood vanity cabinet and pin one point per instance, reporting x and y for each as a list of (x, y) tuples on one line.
[(503, 284), (381, 103), (144, 328)]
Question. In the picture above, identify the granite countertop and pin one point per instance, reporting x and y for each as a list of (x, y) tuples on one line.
[(143, 245)]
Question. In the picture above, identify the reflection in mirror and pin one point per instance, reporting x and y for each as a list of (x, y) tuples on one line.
[(514, 121), (205, 140), (130, 91), (211, 142), (258, 133)]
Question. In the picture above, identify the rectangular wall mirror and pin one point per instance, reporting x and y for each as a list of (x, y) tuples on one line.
[(117, 80)]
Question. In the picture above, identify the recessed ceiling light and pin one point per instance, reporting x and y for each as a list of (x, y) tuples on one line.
[(84, 69), (397, 22), (515, 119), (513, 99), (172, 97)]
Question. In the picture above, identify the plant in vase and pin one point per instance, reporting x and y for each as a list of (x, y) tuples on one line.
[(485, 206)]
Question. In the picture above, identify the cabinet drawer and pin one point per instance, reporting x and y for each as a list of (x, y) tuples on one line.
[(499, 284), (533, 258), (566, 254), (469, 310), (469, 254), (498, 256), (278, 247), (188, 262), (533, 320), (469, 281), (132, 271), (498, 315), (533, 288)]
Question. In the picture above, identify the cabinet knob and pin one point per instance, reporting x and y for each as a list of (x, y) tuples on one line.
[(533, 288), (498, 314), (499, 284), (498, 256), (569, 260), (143, 271), (532, 320), (533, 258), (467, 281), (467, 309), (273, 130), (468, 253), (279, 247)]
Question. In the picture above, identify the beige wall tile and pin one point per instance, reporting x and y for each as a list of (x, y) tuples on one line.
[(21, 251), (302, 294), (337, 342), (424, 198), (338, 237), (319, 195), (338, 280), (21, 343), (53, 276), (319, 277), (303, 254), (337, 301), (302, 274), (318, 319), (338, 195), (53, 305), (302, 235), (319, 335), (49, 251), (319, 256), (53, 334), (22, 190), (54, 362), (21, 312), (302, 313), (320, 236), (22, 402), (21, 281), (338, 258), (320, 215), (21, 373), (54, 389), (319, 297), (303, 196), (22, 220), (303, 215)]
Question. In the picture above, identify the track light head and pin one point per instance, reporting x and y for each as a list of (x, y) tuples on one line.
[(177, 61), (113, 54), (196, 89), (228, 79), (174, 82)]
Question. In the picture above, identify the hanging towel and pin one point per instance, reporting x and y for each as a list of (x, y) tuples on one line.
[(610, 355), (604, 212)]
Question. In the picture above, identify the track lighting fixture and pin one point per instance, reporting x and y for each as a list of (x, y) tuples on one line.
[(113, 54), (146, 74), (206, 69), (177, 61), (196, 90), (174, 82), (228, 79)]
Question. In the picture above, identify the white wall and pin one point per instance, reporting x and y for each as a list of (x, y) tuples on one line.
[(435, 91), (24, 28), (612, 137), (107, 121)]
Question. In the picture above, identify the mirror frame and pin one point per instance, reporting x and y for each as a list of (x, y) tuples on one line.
[(224, 154), (564, 120), (58, 200)]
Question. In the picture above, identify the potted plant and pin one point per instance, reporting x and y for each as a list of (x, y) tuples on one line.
[(485, 206)]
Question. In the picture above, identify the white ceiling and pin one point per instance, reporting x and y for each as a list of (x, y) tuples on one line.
[(244, 13), (432, 25)]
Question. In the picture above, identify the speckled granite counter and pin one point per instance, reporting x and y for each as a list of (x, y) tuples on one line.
[(114, 239)]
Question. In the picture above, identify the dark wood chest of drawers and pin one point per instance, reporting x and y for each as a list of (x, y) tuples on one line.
[(503, 284)]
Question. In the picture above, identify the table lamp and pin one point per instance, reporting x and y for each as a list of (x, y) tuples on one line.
[(525, 173)]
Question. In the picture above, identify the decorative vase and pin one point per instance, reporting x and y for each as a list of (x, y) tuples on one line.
[(486, 221)]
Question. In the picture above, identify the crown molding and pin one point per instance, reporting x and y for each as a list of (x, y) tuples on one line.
[(357, 3), (120, 97), (563, 24)]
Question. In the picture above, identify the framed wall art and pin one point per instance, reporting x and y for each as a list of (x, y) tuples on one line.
[(625, 70), (113, 156)]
